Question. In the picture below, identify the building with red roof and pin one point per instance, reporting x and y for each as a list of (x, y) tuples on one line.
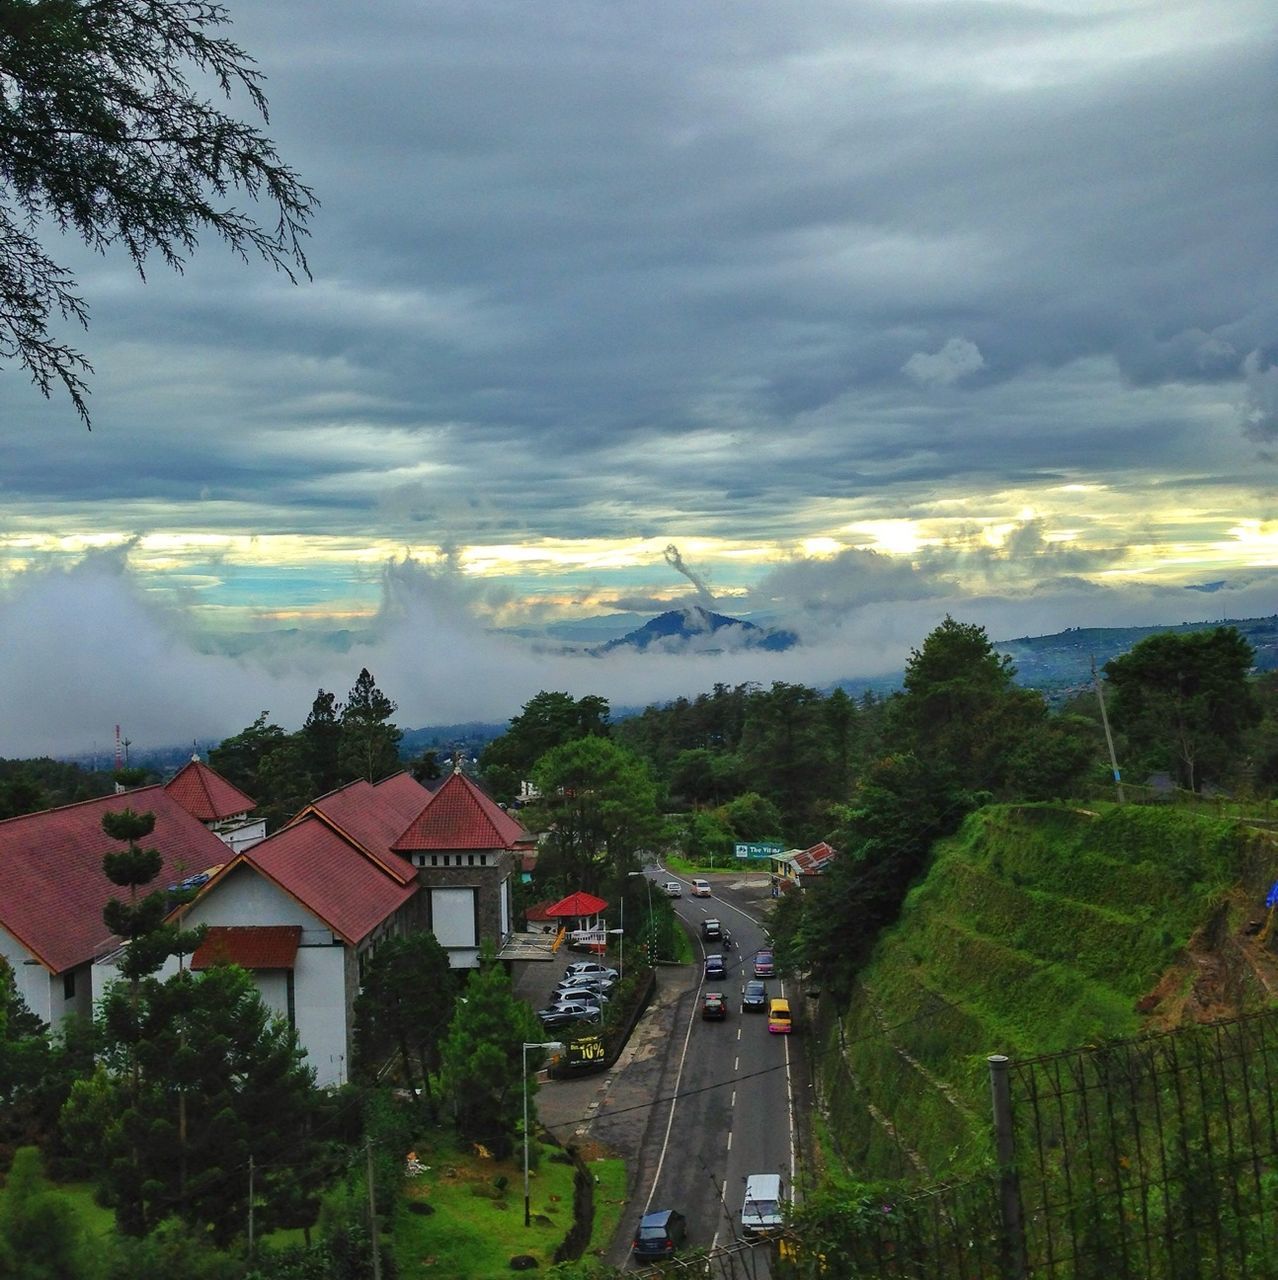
[(53, 889)]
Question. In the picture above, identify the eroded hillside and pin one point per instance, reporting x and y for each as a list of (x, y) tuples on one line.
[(1039, 928)]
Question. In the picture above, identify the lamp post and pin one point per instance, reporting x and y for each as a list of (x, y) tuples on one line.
[(544, 1044)]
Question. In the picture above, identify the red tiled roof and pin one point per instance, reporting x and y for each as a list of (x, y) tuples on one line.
[(577, 904), (812, 861), (53, 888), (331, 877), (205, 794), (271, 946), (374, 816), (460, 816), (538, 912)]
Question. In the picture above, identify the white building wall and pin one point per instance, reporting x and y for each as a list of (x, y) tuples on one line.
[(33, 980), (319, 997)]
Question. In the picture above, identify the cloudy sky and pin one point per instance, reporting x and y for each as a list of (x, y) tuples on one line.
[(876, 310)]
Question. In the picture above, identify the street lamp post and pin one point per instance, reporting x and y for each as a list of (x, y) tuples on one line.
[(545, 1044)]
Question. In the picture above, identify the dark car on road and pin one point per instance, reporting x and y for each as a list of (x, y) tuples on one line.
[(765, 965), (714, 1006), (660, 1233), (715, 968), (711, 929), (755, 997)]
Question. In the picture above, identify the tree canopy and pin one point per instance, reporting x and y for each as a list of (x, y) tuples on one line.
[(547, 720), (1183, 701), (106, 130)]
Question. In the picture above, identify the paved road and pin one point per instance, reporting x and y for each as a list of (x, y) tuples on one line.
[(692, 1106)]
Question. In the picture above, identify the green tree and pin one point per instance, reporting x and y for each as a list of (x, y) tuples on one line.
[(751, 818), (599, 806), (404, 1006), (323, 735), (42, 1236), (546, 721), (285, 781), (108, 131), (884, 839), (21, 794), (369, 746), (426, 767), (219, 1082), (483, 1058), (705, 838), (239, 758), (1184, 703)]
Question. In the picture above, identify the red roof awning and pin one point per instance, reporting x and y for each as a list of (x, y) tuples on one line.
[(577, 904), (250, 946)]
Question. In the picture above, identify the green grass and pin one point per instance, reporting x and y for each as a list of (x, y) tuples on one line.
[(1037, 929), (476, 1229), (610, 1202), (99, 1221)]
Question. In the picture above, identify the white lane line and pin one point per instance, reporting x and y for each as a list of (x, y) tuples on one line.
[(736, 1065), (729, 1139), (674, 1100), (733, 1103), (789, 1097)]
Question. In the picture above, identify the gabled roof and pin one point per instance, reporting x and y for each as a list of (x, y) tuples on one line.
[(53, 888), (373, 816), (272, 946), (205, 794), (331, 876), (461, 816), (577, 904), (813, 861)]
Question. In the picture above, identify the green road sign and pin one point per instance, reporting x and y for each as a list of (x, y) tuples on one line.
[(758, 850)]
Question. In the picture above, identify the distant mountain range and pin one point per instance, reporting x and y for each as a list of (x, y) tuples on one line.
[(698, 630)]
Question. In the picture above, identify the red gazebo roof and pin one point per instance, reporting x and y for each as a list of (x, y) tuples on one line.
[(577, 904)]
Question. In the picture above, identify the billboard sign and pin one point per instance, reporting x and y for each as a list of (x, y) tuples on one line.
[(759, 850)]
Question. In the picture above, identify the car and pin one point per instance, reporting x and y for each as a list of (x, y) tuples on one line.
[(714, 1006), (763, 1209), (779, 1021), (715, 968), (590, 968), (701, 888), (765, 965), (585, 986), (673, 889), (660, 1233), (754, 999), (564, 1015), (582, 995), (711, 928)]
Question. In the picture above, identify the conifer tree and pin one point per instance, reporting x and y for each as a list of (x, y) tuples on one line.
[(369, 745)]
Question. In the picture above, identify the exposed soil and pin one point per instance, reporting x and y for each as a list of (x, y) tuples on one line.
[(1228, 968)]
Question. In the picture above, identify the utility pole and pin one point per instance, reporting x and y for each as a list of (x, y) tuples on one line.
[(250, 1224), (1109, 737), (372, 1210)]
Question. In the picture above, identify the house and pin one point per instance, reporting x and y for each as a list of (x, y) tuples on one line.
[(304, 909), (796, 868), (53, 889)]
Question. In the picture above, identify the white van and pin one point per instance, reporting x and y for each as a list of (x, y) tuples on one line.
[(761, 1212)]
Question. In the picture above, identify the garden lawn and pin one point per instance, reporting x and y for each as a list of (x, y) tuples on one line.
[(610, 1202), (476, 1228), (99, 1222)]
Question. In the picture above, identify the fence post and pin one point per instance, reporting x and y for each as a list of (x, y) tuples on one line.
[(1013, 1235)]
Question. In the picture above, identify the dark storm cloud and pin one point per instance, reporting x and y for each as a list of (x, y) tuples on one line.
[(621, 271)]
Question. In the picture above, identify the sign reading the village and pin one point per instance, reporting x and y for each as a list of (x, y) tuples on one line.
[(758, 850)]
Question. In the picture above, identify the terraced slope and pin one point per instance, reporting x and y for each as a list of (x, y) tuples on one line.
[(1038, 928)]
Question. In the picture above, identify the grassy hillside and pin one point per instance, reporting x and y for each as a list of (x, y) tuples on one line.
[(1038, 928)]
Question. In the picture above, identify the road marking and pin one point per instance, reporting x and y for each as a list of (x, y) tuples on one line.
[(733, 1103), (674, 1100), (789, 1096), (729, 1139), (736, 1064)]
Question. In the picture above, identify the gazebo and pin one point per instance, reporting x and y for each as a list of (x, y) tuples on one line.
[(585, 909)]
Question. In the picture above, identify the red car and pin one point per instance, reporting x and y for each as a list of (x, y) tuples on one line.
[(714, 1005)]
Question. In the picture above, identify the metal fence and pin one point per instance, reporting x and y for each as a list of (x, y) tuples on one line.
[(1146, 1159)]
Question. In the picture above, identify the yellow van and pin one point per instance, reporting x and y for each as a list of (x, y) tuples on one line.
[(779, 1017)]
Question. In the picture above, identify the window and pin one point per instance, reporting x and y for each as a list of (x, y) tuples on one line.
[(68, 985)]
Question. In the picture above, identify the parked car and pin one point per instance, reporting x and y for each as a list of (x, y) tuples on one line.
[(715, 968), (564, 1015), (673, 889), (590, 967), (711, 928), (701, 888), (585, 993), (755, 997), (714, 1006), (660, 1233), (600, 986), (765, 965), (779, 1021)]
